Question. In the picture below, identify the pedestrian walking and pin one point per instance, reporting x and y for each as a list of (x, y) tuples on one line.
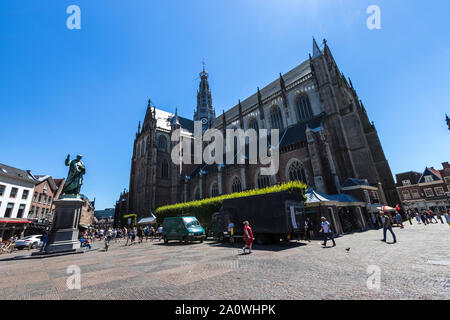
[(432, 216), (439, 215), (308, 229), (423, 217), (416, 213), (409, 216), (146, 233), (133, 235), (327, 232), (399, 219), (248, 237), (44, 240), (447, 217), (231, 231), (152, 233), (140, 234), (386, 226), (129, 236)]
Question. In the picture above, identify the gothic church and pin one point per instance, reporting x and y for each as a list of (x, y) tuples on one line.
[(326, 141)]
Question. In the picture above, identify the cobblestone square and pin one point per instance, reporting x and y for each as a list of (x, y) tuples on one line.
[(417, 267)]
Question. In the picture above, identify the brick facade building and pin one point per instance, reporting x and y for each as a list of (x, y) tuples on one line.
[(427, 190), (45, 192), (326, 138)]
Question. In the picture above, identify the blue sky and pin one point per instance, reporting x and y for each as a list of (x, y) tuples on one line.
[(84, 91)]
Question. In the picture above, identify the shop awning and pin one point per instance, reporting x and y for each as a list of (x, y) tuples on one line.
[(14, 221), (378, 207)]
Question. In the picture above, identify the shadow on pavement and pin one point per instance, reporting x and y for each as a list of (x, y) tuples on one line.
[(267, 247)]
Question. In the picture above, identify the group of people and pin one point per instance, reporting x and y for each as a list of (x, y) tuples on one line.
[(428, 217), (384, 220), (425, 216), (132, 235)]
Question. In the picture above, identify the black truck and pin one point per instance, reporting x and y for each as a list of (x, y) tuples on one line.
[(272, 217)]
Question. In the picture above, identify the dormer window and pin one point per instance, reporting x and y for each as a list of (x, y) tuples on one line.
[(406, 182), (428, 178)]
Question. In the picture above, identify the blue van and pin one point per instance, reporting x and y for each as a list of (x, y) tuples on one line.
[(185, 229)]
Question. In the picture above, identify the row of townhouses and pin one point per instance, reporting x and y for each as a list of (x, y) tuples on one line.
[(427, 190)]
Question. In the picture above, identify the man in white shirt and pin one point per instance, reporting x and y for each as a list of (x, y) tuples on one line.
[(327, 233)]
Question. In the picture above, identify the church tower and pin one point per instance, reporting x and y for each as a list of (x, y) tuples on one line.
[(205, 111)]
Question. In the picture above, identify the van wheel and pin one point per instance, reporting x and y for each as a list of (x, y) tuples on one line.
[(186, 240), (201, 240), (166, 240)]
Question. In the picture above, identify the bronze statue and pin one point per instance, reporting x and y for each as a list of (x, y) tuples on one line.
[(75, 176)]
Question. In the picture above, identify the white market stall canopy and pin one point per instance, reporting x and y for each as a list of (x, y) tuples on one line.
[(147, 220)]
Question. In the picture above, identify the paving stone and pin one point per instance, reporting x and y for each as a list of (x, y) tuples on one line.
[(297, 270)]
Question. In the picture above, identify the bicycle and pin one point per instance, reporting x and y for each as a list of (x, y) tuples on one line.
[(7, 247)]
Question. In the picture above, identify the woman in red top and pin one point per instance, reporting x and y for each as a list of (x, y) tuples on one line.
[(248, 237)]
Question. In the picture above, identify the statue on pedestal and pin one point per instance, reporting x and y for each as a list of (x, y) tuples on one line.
[(74, 179)]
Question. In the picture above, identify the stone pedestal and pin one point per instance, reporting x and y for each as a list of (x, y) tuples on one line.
[(63, 237)]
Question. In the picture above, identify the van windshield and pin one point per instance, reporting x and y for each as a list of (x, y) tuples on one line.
[(192, 223)]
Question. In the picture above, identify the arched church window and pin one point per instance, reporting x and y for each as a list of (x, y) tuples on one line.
[(253, 124), (303, 108), (165, 169), (263, 181), (297, 172), (214, 190), (236, 186), (276, 119), (162, 143)]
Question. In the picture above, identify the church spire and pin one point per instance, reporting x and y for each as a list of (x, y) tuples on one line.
[(205, 111)]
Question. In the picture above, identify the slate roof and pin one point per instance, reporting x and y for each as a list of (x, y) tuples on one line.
[(352, 182), (430, 172), (164, 120), (290, 77), (297, 132), (15, 173), (51, 181)]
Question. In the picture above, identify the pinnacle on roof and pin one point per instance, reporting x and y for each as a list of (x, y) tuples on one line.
[(316, 50)]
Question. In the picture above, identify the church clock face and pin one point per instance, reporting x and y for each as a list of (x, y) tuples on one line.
[(204, 121)]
